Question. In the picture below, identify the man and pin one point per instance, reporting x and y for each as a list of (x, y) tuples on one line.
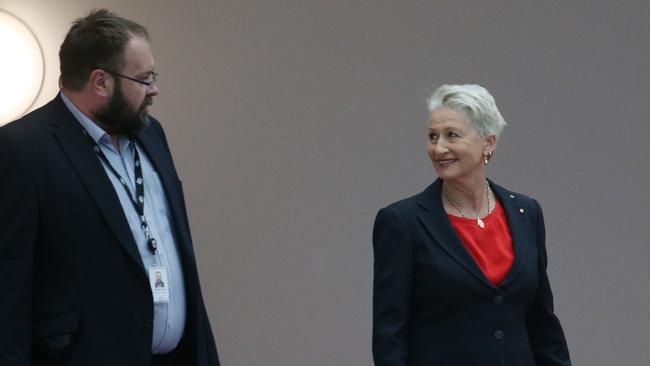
[(159, 282), (91, 209)]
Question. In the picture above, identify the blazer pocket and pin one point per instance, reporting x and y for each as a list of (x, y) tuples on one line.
[(55, 336), (435, 337), (440, 339)]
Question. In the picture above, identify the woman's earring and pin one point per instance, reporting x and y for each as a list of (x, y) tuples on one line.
[(488, 157)]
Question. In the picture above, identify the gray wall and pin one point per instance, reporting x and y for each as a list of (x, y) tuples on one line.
[(293, 122)]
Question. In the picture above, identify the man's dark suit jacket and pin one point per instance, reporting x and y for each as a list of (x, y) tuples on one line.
[(432, 305), (63, 233)]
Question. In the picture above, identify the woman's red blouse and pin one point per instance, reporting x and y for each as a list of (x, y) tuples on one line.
[(491, 246)]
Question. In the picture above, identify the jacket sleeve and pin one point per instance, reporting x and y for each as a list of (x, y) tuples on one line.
[(393, 267), (544, 329), (18, 228)]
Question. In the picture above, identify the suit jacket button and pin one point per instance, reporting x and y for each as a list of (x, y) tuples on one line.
[(498, 335), (498, 299)]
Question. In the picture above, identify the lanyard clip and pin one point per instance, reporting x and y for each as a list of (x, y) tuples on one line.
[(153, 245)]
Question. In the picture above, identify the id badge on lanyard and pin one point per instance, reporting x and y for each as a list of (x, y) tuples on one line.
[(158, 279), (159, 284)]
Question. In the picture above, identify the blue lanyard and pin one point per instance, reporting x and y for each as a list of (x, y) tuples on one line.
[(138, 202)]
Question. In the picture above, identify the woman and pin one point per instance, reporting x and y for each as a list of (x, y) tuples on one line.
[(460, 269)]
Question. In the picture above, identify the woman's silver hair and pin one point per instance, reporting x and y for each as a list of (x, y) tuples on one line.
[(473, 100)]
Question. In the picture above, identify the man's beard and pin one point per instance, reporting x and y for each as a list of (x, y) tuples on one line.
[(119, 118)]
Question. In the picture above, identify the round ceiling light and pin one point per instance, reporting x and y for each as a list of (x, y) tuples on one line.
[(22, 67)]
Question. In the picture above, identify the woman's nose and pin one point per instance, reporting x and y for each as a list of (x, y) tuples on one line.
[(440, 147)]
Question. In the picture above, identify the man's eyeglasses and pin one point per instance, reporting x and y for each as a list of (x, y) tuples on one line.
[(154, 77)]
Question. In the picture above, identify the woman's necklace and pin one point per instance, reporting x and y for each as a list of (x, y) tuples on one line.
[(479, 222)]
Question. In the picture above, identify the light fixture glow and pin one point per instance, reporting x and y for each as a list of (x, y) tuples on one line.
[(21, 67)]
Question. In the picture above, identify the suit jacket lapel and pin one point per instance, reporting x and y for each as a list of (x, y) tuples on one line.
[(435, 220), (157, 153), (79, 150), (519, 227)]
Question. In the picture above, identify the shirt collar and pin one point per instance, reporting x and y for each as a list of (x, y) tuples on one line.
[(94, 131)]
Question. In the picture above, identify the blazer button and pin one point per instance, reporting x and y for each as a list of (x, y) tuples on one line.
[(498, 299), (498, 335)]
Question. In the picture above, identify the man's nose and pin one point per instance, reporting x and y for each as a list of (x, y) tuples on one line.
[(152, 90)]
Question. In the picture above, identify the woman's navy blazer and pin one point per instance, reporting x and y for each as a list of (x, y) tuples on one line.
[(433, 306)]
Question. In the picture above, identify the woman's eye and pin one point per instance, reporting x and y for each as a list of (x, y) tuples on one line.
[(432, 136), (452, 134)]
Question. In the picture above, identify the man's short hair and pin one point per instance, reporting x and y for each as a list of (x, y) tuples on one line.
[(97, 40)]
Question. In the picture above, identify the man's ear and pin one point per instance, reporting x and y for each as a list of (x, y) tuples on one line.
[(99, 83)]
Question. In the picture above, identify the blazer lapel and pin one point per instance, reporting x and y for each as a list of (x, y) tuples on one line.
[(79, 150), (435, 220), (517, 221), (157, 153)]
